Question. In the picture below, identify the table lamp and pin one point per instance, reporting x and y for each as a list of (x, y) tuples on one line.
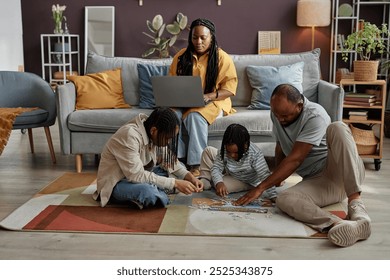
[(313, 13)]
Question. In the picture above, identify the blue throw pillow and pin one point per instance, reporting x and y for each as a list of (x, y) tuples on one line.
[(264, 79), (145, 71)]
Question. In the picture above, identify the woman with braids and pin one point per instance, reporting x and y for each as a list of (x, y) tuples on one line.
[(203, 58), (238, 166), (139, 164)]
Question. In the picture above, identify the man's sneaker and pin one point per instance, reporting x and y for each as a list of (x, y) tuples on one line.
[(357, 211), (347, 233)]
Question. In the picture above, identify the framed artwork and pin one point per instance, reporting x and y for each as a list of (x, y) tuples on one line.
[(269, 42)]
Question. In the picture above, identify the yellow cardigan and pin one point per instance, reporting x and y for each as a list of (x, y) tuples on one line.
[(227, 79)]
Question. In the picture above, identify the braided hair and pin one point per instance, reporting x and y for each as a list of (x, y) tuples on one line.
[(184, 66), (166, 122), (235, 134)]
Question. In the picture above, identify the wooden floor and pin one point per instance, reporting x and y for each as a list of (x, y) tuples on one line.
[(22, 174)]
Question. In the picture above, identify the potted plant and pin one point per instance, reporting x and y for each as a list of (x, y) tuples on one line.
[(366, 41), (161, 43)]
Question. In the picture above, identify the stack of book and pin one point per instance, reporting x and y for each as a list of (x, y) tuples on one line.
[(358, 115), (360, 99)]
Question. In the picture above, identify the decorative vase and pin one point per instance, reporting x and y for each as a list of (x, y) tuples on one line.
[(59, 47), (58, 27), (365, 70)]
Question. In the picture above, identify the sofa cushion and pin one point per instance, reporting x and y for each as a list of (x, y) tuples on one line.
[(128, 65), (311, 72), (102, 120), (264, 79), (99, 90), (109, 120), (145, 71), (256, 122)]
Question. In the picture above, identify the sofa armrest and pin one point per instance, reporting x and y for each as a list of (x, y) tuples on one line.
[(331, 97), (66, 104)]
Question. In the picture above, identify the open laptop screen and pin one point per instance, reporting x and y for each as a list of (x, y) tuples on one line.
[(177, 91)]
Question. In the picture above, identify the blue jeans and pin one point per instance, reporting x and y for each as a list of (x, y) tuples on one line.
[(144, 194), (197, 132)]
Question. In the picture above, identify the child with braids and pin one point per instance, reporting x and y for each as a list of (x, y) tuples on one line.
[(204, 58), (139, 162), (238, 166)]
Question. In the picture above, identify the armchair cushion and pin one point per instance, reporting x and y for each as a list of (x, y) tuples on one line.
[(264, 79), (30, 117), (99, 90)]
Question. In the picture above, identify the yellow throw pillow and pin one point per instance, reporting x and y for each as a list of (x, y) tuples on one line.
[(101, 90)]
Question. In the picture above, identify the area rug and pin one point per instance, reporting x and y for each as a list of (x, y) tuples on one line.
[(66, 205)]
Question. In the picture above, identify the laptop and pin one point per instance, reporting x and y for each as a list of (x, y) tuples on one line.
[(177, 91)]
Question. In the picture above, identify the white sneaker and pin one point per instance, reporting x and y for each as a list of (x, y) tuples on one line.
[(357, 211), (347, 233)]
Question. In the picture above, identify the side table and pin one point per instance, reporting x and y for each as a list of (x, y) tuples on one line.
[(375, 115)]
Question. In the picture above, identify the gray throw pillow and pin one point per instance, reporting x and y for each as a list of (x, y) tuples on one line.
[(264, 79)]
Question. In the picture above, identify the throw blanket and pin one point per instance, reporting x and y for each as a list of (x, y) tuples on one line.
[(7, 119)]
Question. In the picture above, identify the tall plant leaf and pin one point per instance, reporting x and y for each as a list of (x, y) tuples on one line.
[(173, 28), (157, 22)]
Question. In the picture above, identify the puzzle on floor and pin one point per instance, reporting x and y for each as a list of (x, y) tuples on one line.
[(227, 204)]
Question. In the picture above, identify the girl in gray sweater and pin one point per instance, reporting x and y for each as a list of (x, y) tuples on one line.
[(239, 165)]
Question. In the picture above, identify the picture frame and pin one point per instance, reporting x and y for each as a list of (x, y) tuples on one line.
[(269, 42)]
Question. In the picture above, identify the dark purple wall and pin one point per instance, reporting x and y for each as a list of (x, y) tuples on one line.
[(237, 23)]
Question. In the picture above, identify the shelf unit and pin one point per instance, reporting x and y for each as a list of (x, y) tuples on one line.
[(376, 113), (59, 55), (345, 25)]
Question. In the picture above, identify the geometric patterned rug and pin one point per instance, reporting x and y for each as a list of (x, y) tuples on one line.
[(66, 205)]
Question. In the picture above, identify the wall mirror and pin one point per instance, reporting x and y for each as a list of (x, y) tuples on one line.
[(99, 31)]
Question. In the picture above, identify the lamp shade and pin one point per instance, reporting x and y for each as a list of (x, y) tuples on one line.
[(313, 12)]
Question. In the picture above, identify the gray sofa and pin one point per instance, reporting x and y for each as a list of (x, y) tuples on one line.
[(86, 131)]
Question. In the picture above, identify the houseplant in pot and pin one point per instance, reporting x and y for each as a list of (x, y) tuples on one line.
[(160, 42), (366, 41)]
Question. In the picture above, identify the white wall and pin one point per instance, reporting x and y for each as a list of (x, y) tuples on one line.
[(11, 35)]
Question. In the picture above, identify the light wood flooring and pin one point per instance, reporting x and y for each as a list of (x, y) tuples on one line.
[(22, 174)]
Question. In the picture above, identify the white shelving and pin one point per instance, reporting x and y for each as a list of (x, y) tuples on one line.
[(59, 55), (348, 24)]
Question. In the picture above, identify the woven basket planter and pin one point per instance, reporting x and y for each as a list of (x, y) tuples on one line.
[(365, 70), (365, 139)]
